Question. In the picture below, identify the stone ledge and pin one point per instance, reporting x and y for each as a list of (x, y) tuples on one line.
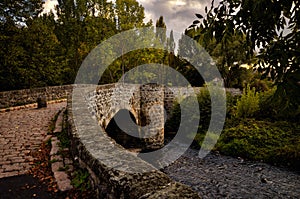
[(59, 122), (29, 96), (61, 177), (59, 163), (34, 105)]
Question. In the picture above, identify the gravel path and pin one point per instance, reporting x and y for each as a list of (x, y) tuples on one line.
[(21, 134), (217, 176)]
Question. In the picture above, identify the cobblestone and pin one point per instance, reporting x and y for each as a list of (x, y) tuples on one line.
[(22, 131)]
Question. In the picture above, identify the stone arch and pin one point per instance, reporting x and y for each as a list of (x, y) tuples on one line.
[(118, 134), (145, 103)]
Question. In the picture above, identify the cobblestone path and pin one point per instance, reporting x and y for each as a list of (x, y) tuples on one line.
[(217, 176), (21, 133)]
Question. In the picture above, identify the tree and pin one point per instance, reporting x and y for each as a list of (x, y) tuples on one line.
[(14, 16), (171, 49), (271, 26), (19, 11), (129, 14), (161, 35), (189, 51), (11, 54), (161, 31), (42, 64)]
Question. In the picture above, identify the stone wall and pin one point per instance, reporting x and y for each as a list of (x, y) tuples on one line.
[(29, 96)]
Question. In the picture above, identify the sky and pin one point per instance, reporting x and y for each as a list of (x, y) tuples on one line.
[(178, 14)]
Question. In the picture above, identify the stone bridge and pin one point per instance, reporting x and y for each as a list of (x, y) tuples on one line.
[(144, 102), (148, 105), (115, 172)]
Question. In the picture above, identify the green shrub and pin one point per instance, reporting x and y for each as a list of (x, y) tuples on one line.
[(248, 104), (261, 85), (204, 103), (231, 101), (273, 142), (267, 107)]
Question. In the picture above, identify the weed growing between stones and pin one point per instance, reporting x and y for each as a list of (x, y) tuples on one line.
[(80, 180), (52, 123)]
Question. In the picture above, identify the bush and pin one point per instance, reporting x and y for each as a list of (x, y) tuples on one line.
[(272, 142), (267, 107), (231, 101), (204, 103), (248, 104)]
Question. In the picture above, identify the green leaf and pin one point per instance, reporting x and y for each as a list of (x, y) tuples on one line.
[(199, 16)]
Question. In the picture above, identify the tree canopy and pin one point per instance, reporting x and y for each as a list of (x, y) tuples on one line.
[(47, 49), (271, 31)]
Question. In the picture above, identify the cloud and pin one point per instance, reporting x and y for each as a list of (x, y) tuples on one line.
[(178, 14), (49, 5)]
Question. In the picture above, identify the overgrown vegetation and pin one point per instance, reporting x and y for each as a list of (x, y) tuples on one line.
[(253, 129), (248, 104), (273, 142)]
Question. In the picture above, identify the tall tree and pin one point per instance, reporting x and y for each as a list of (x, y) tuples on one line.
[(14, 15), (188, 51), (161, 30), (129, 14), (43, 61), (161, 35)]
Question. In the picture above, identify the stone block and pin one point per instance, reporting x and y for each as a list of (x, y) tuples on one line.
[(42, 102)]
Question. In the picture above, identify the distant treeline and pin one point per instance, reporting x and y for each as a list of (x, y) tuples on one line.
[(44, 49)]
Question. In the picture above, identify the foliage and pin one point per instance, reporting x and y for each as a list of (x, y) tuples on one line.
[(270, 26), (269, 108), (47, 49), (19, 11), (271, 142), (229, 53), (80, 179), (264, 137), (64, 139), (248, 104), (204, 103)]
